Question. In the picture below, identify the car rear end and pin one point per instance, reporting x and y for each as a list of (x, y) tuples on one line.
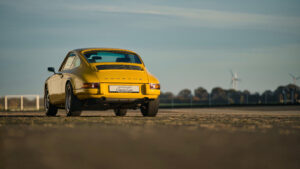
[(117, 84)]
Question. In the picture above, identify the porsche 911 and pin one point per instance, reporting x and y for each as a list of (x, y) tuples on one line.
[(101, 79)]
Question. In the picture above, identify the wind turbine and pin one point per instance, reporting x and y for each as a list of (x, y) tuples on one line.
[(294, 78), (234, 79)]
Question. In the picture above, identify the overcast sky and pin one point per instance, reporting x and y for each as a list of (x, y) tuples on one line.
[(186, 44)]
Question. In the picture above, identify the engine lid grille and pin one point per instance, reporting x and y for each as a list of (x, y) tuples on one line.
[(126, 67)]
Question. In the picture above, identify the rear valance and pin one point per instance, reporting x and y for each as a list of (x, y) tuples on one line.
[(126, 67)]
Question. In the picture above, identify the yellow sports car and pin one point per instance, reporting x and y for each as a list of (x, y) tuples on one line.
[(101, 79)]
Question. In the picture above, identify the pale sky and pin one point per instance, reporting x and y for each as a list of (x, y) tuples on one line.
[(186, 44)]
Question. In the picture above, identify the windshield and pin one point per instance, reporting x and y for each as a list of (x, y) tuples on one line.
[(107, 56)]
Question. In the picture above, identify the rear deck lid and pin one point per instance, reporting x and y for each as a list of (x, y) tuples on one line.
[(121, 73)]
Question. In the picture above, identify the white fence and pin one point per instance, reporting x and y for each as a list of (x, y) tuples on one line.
[(21, 102)]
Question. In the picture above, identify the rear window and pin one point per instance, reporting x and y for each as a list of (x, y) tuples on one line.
[(108, 56)]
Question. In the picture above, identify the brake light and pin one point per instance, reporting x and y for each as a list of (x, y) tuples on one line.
[(90, 85), (154, 86)]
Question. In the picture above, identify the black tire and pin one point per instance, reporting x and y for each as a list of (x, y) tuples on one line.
[(72, 104), (51, 110), (150, 109), (120, 112)]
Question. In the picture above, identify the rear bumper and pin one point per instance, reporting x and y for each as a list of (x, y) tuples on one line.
[(103, 92), (102, 99), (116, 98)]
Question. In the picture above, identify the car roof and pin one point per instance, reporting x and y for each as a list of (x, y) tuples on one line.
[(104, 49)]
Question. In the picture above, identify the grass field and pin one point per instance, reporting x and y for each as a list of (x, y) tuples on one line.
[(244, 137)]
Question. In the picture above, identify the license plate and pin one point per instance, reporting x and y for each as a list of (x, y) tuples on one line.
[(123, 89)]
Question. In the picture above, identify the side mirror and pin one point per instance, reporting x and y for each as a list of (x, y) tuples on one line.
[(51, 69)]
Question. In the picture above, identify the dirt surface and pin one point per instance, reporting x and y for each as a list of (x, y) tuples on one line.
[(263, 137)]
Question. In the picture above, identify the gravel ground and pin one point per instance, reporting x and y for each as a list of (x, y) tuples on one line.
[(253, 137)]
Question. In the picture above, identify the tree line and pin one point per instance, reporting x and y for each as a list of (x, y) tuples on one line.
[(289, 94)]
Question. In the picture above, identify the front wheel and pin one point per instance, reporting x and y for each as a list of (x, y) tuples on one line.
[(72, 104), (51, 110), (150, 109)]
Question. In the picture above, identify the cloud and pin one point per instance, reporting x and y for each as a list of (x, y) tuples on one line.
[(169, 16), (201, 17), (114, 9)]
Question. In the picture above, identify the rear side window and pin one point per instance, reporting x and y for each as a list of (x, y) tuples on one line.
[(106, 56), (69, 62), (76, 62), (72, 61)]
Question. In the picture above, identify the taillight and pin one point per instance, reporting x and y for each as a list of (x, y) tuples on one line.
[(90, 85), (154, 86)]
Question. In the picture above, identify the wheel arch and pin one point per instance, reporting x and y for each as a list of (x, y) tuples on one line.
[(70, 80), (46, 88), (45, 85)]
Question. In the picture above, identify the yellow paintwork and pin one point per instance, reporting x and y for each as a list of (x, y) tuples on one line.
[(88, 73)]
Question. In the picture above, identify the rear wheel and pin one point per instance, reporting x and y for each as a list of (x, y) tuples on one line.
[(150, 109), (120, 112), (51, 110), (72, 104)]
